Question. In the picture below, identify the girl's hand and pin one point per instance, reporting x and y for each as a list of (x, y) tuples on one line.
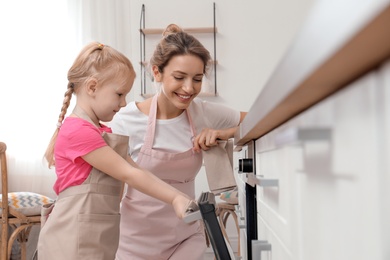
[(180, 204)]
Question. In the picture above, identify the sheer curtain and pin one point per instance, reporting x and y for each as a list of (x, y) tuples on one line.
[(40, 40)]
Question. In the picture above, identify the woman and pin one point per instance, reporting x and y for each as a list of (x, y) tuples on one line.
[(167, 133)]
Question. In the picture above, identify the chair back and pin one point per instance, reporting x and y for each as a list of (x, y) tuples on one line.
[(4, 199), (18, 218)]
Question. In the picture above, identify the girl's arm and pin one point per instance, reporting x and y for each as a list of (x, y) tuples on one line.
[(108, 161)]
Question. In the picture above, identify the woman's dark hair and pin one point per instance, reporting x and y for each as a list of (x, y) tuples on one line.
[(177, 42)]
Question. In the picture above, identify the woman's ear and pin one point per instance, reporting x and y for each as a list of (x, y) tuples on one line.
[(156, 73), (91, 86)]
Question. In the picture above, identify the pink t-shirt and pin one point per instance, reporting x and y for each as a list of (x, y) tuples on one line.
[(77, 137)]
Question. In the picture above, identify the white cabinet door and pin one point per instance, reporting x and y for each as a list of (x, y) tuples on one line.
[(332, 198)]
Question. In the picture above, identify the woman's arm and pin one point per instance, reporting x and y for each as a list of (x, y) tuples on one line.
[(108, 161), (209, 137)]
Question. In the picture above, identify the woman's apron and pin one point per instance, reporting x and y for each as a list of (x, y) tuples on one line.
[(84, 223), (150, 228)]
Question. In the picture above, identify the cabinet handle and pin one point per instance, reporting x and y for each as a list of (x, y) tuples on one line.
[(259, 246), (294, 135), (261, 181)]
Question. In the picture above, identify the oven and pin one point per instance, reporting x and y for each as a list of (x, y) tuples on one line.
[(246, 209)]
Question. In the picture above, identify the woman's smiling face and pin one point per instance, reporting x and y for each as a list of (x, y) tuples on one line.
[(181, 80)]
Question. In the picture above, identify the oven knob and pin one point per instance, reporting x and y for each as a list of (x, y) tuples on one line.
[(245, 165)]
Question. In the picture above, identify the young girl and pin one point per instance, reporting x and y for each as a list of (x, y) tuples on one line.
[(167, 133), (90, 165)]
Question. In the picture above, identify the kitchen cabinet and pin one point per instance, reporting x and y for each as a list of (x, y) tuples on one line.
[(317, 139)]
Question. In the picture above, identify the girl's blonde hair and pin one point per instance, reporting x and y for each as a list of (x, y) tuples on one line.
[(95, 60)]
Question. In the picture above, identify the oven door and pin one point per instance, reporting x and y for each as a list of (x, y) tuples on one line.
[(247, 207)]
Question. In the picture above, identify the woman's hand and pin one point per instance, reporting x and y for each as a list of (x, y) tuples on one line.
[(209, 137)]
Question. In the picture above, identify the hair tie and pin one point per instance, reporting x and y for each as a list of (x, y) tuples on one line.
[(59, 124), (100, 46)]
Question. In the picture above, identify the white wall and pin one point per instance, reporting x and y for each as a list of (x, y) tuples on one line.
[(252, 37)]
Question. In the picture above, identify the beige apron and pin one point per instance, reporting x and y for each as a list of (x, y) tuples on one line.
[(84, 223), (150, 229)]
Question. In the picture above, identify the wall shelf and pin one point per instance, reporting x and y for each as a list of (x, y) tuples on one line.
[(209, 86), (188, 30)]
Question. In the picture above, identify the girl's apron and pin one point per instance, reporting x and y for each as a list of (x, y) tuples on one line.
[(150, 228), (84, 223)]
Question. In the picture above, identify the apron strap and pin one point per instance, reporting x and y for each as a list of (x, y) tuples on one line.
[(81, 114), (150, 130), (193, 130)]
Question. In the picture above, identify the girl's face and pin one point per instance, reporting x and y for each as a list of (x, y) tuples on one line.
[(110, 97), (181, 81)]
